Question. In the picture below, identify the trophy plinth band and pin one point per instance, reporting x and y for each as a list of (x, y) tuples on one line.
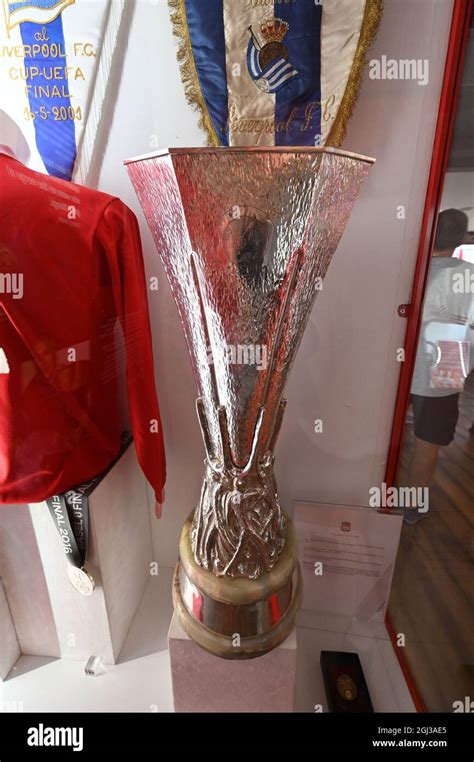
[(237, 618)]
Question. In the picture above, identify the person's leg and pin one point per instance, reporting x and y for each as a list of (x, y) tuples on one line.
[(423, 463), (420, 473), (434, 421)]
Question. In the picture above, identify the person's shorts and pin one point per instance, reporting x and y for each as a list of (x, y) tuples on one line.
[(435, 418)]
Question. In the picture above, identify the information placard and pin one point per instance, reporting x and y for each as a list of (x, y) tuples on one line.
[(347, 556)]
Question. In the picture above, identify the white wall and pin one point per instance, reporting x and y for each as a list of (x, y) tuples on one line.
[(346, 372)]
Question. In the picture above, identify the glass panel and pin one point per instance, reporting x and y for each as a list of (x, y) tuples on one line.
[(432, 601)]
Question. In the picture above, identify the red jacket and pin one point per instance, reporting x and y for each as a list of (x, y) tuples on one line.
[(70, 266)]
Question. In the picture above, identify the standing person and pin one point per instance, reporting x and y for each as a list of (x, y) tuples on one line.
[(442, 361)]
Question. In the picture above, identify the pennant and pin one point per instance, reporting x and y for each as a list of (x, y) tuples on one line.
[(47, 86), (55, 58), (273, 72)]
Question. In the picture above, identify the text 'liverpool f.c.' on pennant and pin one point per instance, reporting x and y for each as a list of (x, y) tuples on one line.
[(55, 60), (274, 72)]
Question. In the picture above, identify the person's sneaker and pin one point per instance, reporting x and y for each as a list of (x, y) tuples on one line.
[(412, 516)]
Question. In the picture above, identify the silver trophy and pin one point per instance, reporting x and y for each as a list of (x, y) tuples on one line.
[(246, 236)]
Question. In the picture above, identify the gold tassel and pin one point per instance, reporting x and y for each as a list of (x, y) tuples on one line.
[(187, 66), (370, 24)]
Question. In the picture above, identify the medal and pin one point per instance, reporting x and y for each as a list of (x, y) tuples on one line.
[(81, 580), (70, 513)]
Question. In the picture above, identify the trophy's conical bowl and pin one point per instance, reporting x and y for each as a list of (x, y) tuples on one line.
[(246, 236)]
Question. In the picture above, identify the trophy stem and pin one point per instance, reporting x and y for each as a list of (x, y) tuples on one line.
[(238, 528)]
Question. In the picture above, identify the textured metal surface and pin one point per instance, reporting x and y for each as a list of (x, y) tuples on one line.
[(244, 236)]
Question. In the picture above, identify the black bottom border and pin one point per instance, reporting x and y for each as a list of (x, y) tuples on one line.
[(429, 736)]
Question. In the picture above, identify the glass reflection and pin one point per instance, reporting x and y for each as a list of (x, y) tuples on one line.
[(432, 602)]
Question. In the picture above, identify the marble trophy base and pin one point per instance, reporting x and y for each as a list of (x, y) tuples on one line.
[(203, 682), (237, 618)]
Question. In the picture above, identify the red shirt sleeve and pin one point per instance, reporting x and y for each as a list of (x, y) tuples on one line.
[(119, 236)]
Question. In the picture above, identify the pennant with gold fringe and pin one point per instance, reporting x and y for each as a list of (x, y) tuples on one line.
[(274, 72)]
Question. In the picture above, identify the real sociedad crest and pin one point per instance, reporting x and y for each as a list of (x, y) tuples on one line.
[(267, 61)]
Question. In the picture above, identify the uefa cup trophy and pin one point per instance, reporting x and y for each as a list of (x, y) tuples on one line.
[(246, 236)]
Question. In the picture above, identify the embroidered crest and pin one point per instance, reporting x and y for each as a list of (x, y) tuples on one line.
[(267, 56)]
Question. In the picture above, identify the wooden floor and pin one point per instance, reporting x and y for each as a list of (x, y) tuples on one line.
[(432, 599)]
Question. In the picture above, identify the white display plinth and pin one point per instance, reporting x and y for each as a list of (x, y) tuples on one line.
[(9, 646), (51, 617), (203, 682)]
